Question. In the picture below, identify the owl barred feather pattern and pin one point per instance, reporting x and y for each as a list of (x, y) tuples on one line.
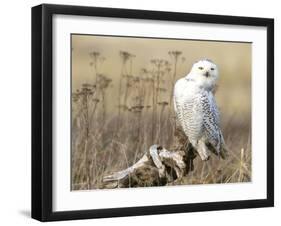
[(196, 108)]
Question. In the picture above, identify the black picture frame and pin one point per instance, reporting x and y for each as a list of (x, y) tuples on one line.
[(42, 111)]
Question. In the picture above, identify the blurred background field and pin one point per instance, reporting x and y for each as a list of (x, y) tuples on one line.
[(121, 104)]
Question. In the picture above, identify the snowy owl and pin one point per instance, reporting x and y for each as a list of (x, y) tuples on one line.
[(196, 108)]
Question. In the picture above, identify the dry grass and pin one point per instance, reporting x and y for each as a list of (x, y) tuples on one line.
[(104, 141)]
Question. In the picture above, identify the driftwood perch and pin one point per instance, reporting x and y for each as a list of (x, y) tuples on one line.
[(157, 167)]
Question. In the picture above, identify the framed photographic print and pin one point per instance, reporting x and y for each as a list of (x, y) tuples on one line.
[(145, 112)]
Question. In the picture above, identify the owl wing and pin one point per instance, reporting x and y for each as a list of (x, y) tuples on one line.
[(215, 109), (211, 120)]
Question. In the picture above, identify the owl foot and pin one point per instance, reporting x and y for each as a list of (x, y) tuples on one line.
[(205, 158), (203, 151)]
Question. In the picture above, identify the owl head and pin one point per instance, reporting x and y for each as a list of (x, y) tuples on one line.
[(204, 73)]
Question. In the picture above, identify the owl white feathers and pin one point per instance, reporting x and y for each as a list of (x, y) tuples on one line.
[(196, 108)]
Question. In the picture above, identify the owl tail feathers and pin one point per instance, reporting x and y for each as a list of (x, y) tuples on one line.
[(223, 150), (223, 153)]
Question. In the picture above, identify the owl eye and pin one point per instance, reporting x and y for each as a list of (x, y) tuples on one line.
[(212, 68), (201, 68)]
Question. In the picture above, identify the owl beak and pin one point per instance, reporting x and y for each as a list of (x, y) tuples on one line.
[(207, 74)]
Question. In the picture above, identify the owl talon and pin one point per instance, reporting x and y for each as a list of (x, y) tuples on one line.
[(206, 158)]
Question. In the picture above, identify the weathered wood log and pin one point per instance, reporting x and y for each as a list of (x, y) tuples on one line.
[(157, 167)]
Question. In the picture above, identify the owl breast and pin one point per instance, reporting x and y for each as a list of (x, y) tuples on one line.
[(188, 110)]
